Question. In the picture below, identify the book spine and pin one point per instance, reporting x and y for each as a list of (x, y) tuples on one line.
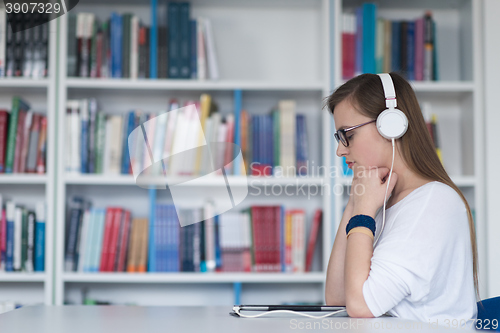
[(9, 248), (41, 148), (411, 50), (106, 241), (174, 42), (30, 251), (134, 47), (100, 142), (124, 242), (194, 49), (369, 36), (19, 140), (125, 49), (40, 238), (84, 142), (313, 237), (4, 120), (11, 140), (72, 234), (115, 234), (33, 142), (184, 41), (3, 41), (153, 41), (71, 62), (18, 238)]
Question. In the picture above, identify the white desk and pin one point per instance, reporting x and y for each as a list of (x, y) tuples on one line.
[(129, 319)]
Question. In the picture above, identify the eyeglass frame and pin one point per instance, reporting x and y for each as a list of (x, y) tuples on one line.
[(344, 130)]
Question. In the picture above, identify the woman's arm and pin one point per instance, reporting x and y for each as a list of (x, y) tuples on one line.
[(335, 289)]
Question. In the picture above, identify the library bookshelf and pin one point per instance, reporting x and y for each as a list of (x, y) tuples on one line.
[(266, 55), (286, 72), (29, 189)]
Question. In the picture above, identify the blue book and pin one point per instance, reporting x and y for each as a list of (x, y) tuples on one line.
[(237, 124), (173, 40), (194, 50), (153, 41), (396, 46), (358, 66), (99, 235), (40, 238), (218, 255), (84, 144), (301, 145), (116, 45), (410, 54), (184, 41), (369, 35), (151, 238), (9, 250), (173, 239), (129, 125)]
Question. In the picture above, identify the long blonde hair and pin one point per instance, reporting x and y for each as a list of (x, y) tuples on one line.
[(416, 147)]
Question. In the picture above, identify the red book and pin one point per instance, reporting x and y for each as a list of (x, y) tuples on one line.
[(122, 254), (257, 237), (4, 121), (113, 244), (313, 237), (277, 239), (19, 140), (42, 144), (108, 224)]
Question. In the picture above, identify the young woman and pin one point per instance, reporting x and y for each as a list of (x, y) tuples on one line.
[(424, 263)]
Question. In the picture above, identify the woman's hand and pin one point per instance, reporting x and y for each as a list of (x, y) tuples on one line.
[(368, 189)]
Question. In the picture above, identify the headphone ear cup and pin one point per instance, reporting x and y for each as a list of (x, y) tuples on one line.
[(392, 124)]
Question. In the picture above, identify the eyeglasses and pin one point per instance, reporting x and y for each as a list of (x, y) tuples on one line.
[(340, 135)]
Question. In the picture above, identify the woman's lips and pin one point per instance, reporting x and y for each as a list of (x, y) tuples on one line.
[(350, 164)]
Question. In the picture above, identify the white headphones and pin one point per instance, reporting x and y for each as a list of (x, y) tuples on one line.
[(391, 123)]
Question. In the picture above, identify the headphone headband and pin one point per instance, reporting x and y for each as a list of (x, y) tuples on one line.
[(389, 91)]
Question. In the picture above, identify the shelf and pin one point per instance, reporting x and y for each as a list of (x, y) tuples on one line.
[(165, 84), (460, 181), (316, 277), (442, 86), (215, 181), (19, 178), (21, 82), (22, 277)]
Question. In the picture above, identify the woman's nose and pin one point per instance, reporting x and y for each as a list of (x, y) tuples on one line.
[(341, 150)]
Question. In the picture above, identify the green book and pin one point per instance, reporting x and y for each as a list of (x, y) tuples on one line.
[(17, 104)]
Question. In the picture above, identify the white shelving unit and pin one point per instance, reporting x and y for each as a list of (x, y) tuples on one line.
[(269, 61), (29, 189), (456, 98)]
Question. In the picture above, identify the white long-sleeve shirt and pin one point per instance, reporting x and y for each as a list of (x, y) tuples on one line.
[(421, 267)]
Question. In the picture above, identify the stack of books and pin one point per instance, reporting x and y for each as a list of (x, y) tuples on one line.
[(23, 139), (22, 237), (257, 239), (272, 144), (24, 53), (376, 45), (174, 46)]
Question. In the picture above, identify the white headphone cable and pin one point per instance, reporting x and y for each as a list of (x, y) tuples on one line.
[(237, 311), (386, 190)]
